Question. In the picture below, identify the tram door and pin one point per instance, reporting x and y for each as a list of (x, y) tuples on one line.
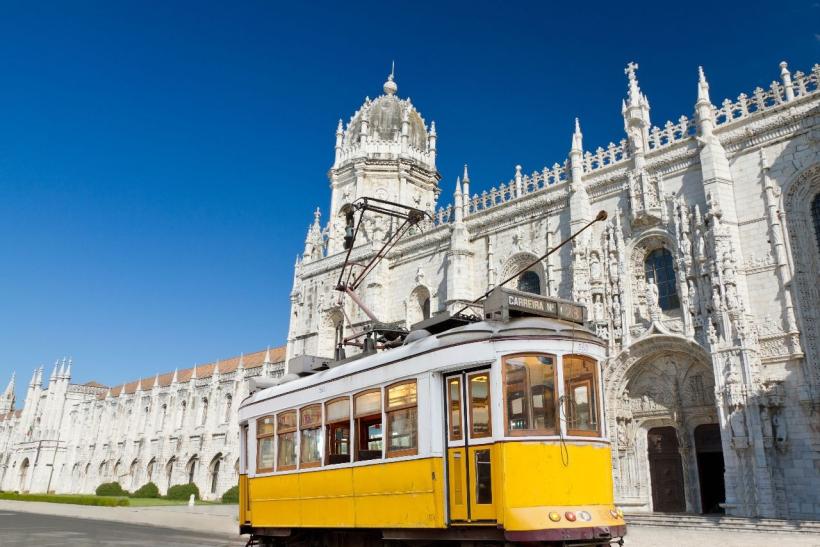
[(469, 447)]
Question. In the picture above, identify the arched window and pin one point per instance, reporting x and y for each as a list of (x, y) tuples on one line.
[(169, 471), (163, 411), (815, 217), (425, 308), (659, 267), (215, 472), (529, 282), (192, 469), (149, 471)]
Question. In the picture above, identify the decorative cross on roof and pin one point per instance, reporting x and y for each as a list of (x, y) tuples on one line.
[(630, 70)]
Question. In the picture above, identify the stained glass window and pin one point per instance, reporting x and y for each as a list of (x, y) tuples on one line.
[(659, 267)]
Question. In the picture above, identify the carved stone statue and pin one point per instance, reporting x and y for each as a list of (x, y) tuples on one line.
[(598, 308), (652, 296), (595, 267), (737, 420), (731, 297), (700, 246), (613, 268), (766, 423)]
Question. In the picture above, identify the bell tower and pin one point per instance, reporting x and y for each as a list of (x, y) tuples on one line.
[(386, 151)]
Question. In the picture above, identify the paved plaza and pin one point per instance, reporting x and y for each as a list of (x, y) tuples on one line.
[(47, 524)]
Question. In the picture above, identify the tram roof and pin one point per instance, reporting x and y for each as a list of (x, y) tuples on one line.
[(472, 332)]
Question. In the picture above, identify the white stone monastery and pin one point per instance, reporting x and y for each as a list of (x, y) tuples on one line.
[(704, 282), (170, 429)]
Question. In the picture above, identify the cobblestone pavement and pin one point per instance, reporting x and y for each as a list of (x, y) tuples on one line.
[(28, 529), (654, 536)]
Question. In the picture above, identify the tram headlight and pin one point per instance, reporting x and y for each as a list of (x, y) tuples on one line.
[(585, 516), (620, 513), (570, 516), (554, 517), (613, 513)]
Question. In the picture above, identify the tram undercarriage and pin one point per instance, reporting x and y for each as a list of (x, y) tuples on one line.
[(451, 537)]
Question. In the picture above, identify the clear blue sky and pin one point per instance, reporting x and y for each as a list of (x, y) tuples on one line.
[(159, 161)]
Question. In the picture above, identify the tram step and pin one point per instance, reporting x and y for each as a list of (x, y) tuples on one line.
[(740, 524)]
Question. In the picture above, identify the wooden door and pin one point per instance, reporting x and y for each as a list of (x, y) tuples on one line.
[(665, 471)]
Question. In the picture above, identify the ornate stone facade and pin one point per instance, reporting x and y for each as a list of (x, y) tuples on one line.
[(704, 280), (171, 429)]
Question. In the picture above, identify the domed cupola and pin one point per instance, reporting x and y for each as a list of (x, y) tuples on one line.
[(387, 127), (385, 151)]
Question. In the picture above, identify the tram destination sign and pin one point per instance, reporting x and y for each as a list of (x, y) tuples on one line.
[(501, 304)]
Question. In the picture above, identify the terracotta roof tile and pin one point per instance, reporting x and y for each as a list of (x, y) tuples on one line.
[(251, 360)]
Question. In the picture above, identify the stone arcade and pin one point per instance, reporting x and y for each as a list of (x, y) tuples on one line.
[(170, 429), (704, 282)]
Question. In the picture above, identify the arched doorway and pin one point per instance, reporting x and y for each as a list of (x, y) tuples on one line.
[(665, 470), (657, 393), (24, 470), (710, 468)]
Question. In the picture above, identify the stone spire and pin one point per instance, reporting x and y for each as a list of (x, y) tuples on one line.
[(175, 377), (465, 184), (10, 387), (33, 381), (579, 200), (314, 244), (703, 108), (67, 374), (635, 111), (340, 133), (458, 256), (7, 399), (156, 381), (53, 376), (193, 373), (458, 202)]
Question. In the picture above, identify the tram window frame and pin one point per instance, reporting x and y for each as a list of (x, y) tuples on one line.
[(531, 431), (287, 430), (364, 421), (489, 432), (413, 417), (331, 427), (316, 428), (261, 438), (455, 418), (588, 380)]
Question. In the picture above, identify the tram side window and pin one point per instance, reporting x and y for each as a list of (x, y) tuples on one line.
[(580, 395), (310, 429), (368, 412), (529, 390), (337, 417), (264, 444), (402, 419), (286, 440)]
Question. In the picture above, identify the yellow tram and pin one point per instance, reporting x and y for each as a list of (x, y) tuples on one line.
[(489, 431)]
